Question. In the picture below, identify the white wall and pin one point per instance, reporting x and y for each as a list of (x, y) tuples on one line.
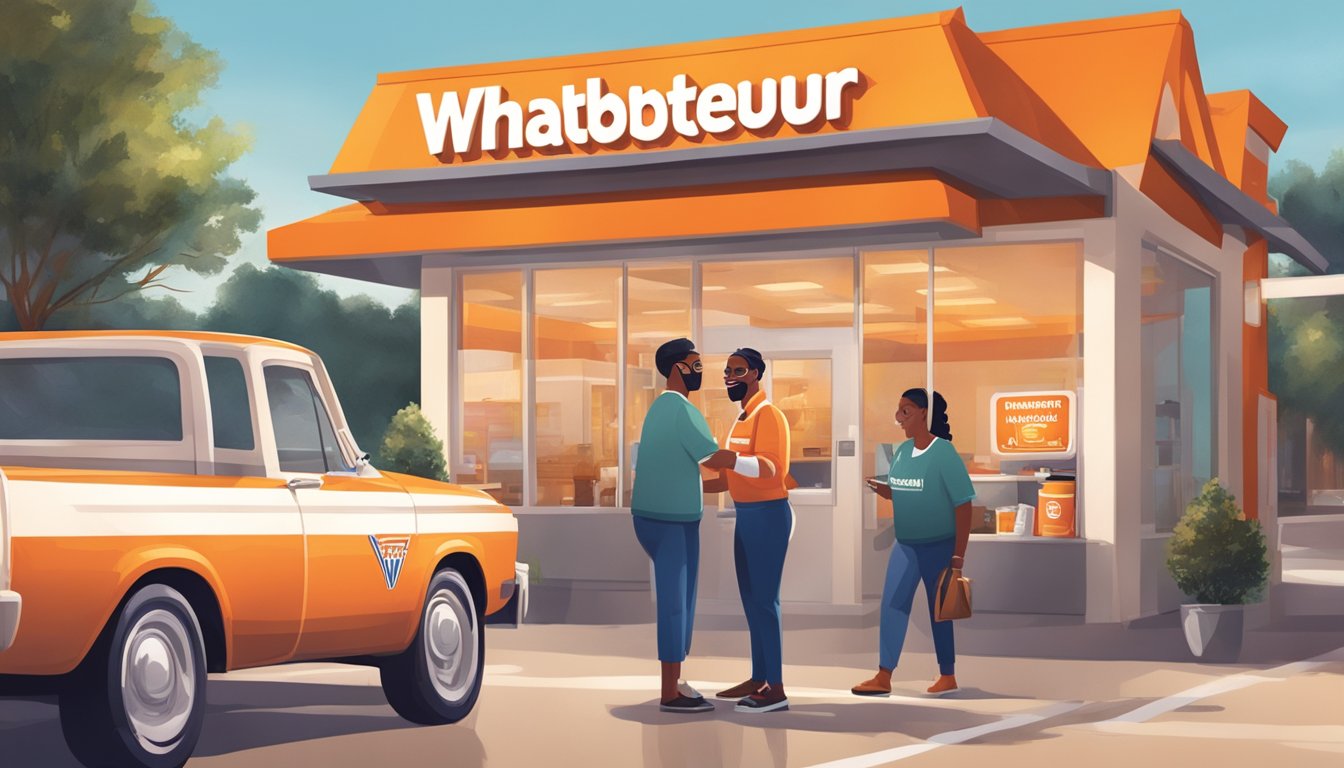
[(436, 345)]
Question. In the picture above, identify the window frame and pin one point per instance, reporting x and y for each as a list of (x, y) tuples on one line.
[(189, 455), (318, 390)]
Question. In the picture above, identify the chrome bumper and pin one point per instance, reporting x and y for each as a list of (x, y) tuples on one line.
[(11, 605), (515, 594)]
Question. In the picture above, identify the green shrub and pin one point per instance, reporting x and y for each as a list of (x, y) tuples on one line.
[(409, 446), (1217, 556)]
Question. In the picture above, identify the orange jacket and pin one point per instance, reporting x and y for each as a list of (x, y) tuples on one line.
[(763, 433)]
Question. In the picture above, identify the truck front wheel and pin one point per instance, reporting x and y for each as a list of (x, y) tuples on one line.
[(438, 678), (139, 696)]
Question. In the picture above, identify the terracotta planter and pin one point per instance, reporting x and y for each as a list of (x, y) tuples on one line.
[(1213, 632)]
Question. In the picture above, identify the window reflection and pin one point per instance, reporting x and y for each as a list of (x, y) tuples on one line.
[(1178, 395), (576, 339), (490, 360)]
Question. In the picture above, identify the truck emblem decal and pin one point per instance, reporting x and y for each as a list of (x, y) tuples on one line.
[(391, 553)]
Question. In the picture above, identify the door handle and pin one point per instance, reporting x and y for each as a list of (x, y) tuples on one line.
[(300, 483)]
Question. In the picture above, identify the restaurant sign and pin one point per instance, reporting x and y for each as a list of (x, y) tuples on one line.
[(590, 114), (1039, 425)]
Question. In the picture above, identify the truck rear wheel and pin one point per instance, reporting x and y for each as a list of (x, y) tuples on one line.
[(438, 678), (139, 696)]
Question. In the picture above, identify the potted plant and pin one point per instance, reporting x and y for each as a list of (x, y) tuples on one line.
[(1217, 557)]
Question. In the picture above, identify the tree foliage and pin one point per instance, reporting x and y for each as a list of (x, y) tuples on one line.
[(1306, 336), (1314, 204), (1216, 555), (371, 351), (105, 185), (410, 446)]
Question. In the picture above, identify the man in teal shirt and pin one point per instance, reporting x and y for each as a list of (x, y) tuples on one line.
[(667, 503)]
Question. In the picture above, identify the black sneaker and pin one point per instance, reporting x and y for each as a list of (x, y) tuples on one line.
[(686, 705), (766, 699)]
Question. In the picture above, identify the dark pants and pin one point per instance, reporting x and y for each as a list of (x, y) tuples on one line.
[(760, 542), (910, 564), (675, 550)]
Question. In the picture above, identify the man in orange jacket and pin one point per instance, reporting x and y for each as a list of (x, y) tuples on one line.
[(759, 484)]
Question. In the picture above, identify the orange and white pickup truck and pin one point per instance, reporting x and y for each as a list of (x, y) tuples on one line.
[(173, 504)]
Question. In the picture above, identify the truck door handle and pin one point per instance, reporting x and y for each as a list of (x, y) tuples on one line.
[(299, 483)]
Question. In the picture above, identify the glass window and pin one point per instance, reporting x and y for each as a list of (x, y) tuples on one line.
[(802, 390), (490, 362), (776, 306), (576, 344), (230, 406), (894, 344), (90, 398), (812, 292), (304, 437), (1006, 318), (658, 300), (1178, 395)]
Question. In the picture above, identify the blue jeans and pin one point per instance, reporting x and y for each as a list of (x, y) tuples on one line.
[(910, 564), (675, 550), (760, 542)]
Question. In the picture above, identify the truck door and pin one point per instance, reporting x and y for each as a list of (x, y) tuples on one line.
[(359, 531)]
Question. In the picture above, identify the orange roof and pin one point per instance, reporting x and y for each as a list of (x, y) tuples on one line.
[(1095, 92), (236, 339)]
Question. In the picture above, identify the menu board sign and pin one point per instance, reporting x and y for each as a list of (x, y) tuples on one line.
[(1037, 425)]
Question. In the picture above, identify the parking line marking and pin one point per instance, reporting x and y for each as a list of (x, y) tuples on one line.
[(1223, 685), (950, 738)]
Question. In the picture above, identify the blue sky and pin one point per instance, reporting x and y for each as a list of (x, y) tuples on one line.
[(297, 73)]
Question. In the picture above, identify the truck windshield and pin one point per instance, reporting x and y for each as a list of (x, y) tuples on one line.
[(90, 398), (304, 437)]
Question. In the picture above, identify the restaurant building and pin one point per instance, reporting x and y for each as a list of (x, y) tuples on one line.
[(1056, 225)]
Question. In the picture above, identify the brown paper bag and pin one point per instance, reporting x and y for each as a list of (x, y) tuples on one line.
[(953, 596)]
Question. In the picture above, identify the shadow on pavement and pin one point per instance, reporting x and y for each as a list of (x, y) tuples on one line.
[(241, 715), (860, 717)]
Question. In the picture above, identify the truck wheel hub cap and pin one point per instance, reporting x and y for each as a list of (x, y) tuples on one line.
[(450, 645), (158, 680)]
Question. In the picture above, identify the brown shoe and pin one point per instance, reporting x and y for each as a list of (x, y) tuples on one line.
[(741, 689), (944, 684), (878, 685)]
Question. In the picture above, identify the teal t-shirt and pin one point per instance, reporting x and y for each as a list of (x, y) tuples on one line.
[(926, 490), (674, 440)]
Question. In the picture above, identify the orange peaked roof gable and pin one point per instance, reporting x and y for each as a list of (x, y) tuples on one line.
[(1098, 92)]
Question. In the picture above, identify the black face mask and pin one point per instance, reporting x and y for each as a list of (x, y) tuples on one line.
[(737, 391), (692, 380)]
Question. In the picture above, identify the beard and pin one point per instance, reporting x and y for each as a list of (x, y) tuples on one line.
[(692, 381), (738, 391)]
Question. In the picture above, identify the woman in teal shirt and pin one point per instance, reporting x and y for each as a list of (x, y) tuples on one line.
[(930, 493)]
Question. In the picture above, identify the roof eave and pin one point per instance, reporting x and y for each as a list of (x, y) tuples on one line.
[(1233, 206)]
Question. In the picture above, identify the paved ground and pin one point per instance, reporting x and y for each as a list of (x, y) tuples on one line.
[(584, 696)]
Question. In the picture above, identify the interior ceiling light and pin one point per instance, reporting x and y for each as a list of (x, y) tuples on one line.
[(602, 324), (839, 308), (970, 301), (907, 268), (584, 303), (950, 285), (712, 288), (799, 285)]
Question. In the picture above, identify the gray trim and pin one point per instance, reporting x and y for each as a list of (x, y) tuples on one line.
[(403, 269), (1233, 206), (984, 153)]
